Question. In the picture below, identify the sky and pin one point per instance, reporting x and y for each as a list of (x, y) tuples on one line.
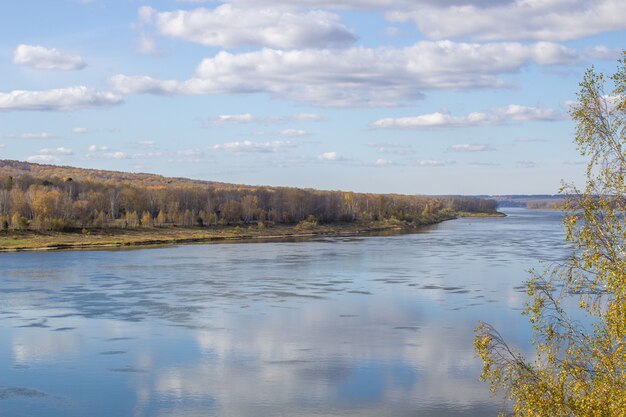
[(389, 96)]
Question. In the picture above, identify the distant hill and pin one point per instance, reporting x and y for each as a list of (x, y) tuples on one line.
[(18, 168), (47, 197), (532, 201)]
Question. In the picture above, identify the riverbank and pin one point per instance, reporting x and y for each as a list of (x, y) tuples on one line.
[(13, 241)]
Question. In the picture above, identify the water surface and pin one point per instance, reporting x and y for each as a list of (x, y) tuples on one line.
[(365, 326)]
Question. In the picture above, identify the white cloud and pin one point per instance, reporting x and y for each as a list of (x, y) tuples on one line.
[(233, 118), (56, 151), (288, 133), (147, 143), (357, 76), (115, 155), (229, 26), (471, 147), (432, 163), (35, 135), (526, 164), (308, 117), (248, 146), (80, 130), (249, 118), (38, 57), (144, 84), (549, 20), (525, 113), (602, 52), (146, 45), (105, 153), (348, 4), (495, 116), (293, 133), (44, 159), (61, 99), (2, 145), (147, 155), (383, 162), (329, 156), (332, 156), (392, 148)]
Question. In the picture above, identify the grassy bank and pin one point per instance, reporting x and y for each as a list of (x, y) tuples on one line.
[(11, 241), (103, 238), (480, 214)]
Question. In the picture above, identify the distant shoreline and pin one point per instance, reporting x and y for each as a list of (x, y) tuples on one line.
[(21, 241)]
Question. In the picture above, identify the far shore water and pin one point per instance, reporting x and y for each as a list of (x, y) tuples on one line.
[(14, 241)]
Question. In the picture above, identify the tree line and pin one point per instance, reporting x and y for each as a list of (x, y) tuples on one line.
[(43, 197)]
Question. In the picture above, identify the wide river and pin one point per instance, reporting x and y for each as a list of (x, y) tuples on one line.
[(358, 326)]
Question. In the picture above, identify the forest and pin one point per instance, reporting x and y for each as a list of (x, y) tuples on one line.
[(44, 197)]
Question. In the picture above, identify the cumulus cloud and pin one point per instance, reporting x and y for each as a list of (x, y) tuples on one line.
[(249, 118), (34, 135), (329, 156), (230, 26), (432, 163), (80, 130), (549, 20), (392, 148), (496, 116), (257, 147), (145, 85), (470, 147), (353, 4), (360, 76), (104, 152), (384, 162), (293, 133), (56, 151), (288, 133), (61, 99), (233, 118), (308, 117), (38, 57), (602, 52)]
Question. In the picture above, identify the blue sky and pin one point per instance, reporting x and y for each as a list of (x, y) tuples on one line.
[(421, 96)]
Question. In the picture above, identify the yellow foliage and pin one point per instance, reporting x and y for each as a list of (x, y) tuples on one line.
[(578, 370)]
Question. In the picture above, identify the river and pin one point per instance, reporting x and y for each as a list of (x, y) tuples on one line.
[(347, 326)]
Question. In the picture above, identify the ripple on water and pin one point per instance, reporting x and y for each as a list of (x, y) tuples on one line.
[(16, 392)]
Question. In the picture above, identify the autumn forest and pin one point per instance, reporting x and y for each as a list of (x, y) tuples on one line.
[(43, 197)]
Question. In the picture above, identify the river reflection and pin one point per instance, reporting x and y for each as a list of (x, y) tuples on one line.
[(344, 326)]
